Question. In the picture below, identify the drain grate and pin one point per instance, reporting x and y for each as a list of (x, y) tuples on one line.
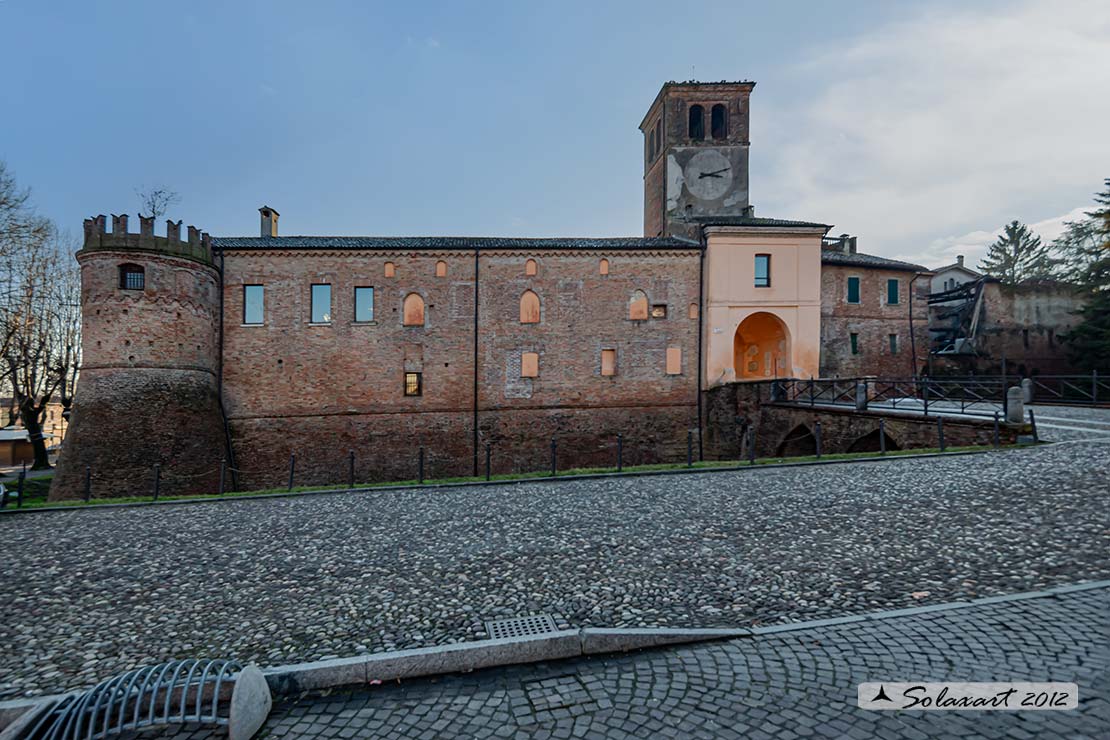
[(537, 624)]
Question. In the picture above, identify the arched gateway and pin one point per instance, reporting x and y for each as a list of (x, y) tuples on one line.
[(761, 348)]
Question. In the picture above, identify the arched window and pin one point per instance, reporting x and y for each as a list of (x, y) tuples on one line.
[(529, 308), (413, 310), (390, 271), (603, 267), (530, 267), (692, 311), (718, 122), (132, 277), (696, 130), (441, 269), (638, 305)]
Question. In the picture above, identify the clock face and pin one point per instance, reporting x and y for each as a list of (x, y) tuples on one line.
[(708, 175)]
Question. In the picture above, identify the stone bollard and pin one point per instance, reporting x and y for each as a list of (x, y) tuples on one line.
[(1015, 407), (1027, 390), (861, 396)]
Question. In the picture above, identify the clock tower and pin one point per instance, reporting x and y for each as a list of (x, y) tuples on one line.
[(695, 156)]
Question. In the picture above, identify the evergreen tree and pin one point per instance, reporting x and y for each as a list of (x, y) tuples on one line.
[(1089, 341), (1018, 255)]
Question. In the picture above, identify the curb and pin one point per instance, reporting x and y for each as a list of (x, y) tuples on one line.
[(514, 482)]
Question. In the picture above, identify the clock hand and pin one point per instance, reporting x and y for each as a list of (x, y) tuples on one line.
[(716, 173)]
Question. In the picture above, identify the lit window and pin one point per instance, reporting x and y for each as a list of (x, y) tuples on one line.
[(529, 365), (413, 310), (529, 308), (763, 271), (853, 290), (364, 304), (608, 362), (638, 305), (892, 292), (414, 384), (132, 277), (893, 344), (674, 360), (853, 339), (253, 304), (321, 303), (530, 267), (441, 269), (603, 267), (390, 270)]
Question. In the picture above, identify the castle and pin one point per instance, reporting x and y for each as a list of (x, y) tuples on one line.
[(258, 355)]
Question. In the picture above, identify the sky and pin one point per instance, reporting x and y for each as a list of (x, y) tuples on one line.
[(920, 127)]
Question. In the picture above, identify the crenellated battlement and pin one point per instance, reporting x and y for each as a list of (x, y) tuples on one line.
[(197, 245)]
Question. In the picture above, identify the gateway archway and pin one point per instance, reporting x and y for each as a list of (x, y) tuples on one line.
[(761, 348)]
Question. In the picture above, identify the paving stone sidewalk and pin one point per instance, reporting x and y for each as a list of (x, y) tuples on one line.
[(788, 685)]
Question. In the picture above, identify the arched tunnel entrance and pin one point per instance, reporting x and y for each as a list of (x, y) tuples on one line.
[(761, 348)]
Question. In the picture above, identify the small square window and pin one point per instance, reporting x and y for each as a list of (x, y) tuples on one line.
[(321, 304), (853, 290), (763, 271), (414, 384), (659, 311), (253, 304), (364, 304), (529, 365), (132, 277)]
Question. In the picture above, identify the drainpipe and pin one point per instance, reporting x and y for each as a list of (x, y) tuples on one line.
[(701, 314), (913, 341), (474, 421)]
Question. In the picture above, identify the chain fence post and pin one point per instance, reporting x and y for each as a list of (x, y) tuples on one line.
[(882, 436), (420, 465), (19, 491), (751, 445), (620, 452), (350, 469), (157, 479), (292, 468), (812, 400), (223, 475), (488, 454), (689, 449), (553, 469), (88, 483), (925, 393), (817, 437), (1033, 423), (996, 440), (940, 432), (1094, 387)]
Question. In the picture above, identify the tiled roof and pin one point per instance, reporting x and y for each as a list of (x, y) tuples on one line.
[(858, 259), (753, 221), (404, 243)]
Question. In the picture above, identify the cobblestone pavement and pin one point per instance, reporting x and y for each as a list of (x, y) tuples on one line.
[(86, 594), (787, 685)]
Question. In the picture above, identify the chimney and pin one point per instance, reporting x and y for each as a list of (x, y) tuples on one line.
[(852, 245), (960, 260), (269, 221)]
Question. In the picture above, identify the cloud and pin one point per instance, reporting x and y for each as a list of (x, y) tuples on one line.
[(951, 122)]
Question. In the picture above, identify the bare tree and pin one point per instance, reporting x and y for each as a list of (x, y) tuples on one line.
[(155, 200), (39, 311)]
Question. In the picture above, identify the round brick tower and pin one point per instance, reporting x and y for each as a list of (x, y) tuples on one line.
[(148, 390)]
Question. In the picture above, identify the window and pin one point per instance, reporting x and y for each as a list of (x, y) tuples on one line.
[(364, 305), (692, 311), (530, 267), (853, 290), (321, 304), (608, 362), (529, 308), (132, 277), (638, 305), (441, 269), (893, 344), (854, 340), (658, 135), (763, 271), (253, 307), (651, 145), (718, 122), (529, 365), (892, 292), (659, 311), (603, 267), (696, 129), (390, 270), (414, 384), (413, 310), (674, 360)]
